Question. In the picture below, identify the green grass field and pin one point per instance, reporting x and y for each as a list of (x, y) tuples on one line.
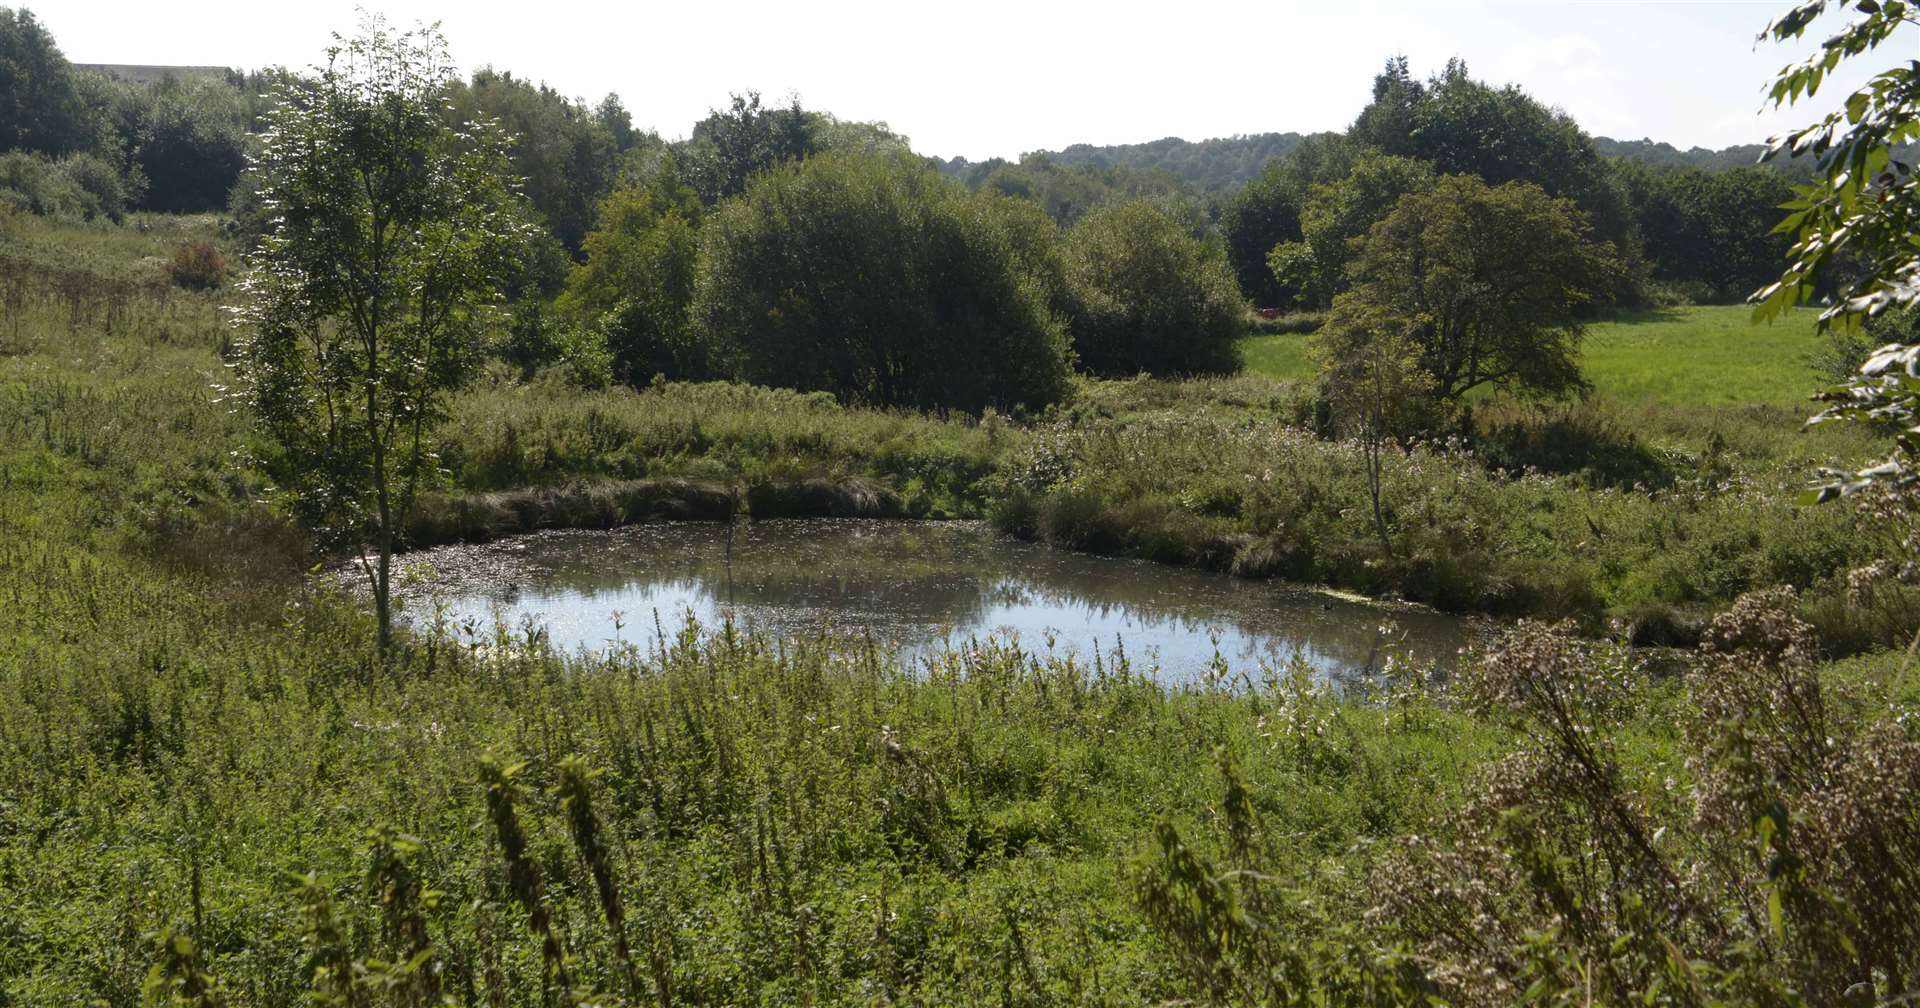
[(1709, 356)]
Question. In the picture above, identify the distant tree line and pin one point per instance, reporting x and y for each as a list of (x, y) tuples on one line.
[(781, 244), (1682, 233), (1206, 166), (82, 144)]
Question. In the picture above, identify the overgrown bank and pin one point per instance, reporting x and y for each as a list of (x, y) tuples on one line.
[(1648, 531), (1651, 516)]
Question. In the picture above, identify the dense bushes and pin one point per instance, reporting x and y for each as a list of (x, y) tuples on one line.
[(877, 280), (1149, 297), (637, 283), (78, 186), (191, 145)]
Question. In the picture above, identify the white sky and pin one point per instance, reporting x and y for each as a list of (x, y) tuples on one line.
[(1000, 77)]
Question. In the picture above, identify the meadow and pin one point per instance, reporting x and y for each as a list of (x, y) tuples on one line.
[(215, 791), (1693, 355)]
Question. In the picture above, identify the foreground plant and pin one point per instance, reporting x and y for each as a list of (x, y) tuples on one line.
[(1855, 224), (363, 307)]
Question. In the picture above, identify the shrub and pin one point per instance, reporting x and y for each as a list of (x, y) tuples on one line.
[(197, 266), (114, 192), (875, 279), (638, 281), (35, 183), (1149, 297)]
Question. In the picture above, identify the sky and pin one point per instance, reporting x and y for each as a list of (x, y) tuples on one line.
[(1001, 77)]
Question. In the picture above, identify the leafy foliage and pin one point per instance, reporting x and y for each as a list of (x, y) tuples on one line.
[(43, 111), (364, 304), (568, 156), (732, 145), (190, 145), (1465, 127), (1148, 297), (638, 280), (881, 282), (1853, 228), (78, 186), (1336, 217), (1708, 233), (1069, 192), (1489, 280), (1210, 166)]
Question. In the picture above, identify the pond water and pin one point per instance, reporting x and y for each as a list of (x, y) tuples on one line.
[(915, 586)]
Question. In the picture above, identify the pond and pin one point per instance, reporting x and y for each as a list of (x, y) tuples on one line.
[(914, 586)]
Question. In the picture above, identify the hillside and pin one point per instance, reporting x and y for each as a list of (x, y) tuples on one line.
[(1223, 164), (1215, 165)]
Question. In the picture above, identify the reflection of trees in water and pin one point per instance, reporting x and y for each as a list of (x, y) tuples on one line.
[(912, 582)]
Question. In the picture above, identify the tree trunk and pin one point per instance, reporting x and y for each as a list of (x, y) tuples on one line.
[(1373, 489), (382, 598)]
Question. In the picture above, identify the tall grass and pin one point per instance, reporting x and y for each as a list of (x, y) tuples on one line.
[(1237, 491)]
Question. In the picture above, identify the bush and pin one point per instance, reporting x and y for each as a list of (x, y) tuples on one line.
[(113, 191), (638, 281), (197, 266), (876, 279), (1149, 297), (39, 185), (1583, 439), (192, 148)]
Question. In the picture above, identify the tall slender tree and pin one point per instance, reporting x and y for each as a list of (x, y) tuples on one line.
[(365, 303)]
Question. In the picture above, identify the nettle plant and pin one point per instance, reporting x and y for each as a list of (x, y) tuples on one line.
[(1857, 227)]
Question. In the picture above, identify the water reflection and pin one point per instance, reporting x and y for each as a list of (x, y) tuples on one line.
[(913, 585)]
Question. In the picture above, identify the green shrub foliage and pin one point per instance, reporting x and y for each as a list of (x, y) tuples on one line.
[(877, 280), (1149, 297)]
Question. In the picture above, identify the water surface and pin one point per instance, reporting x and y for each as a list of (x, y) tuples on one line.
[(915, 586)]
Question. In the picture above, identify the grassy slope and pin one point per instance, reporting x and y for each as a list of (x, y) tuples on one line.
[(1703, 355)]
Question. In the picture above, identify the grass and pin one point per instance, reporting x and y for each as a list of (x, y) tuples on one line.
[(1281, 356), (1708, 355), (1692, 356), (213, 791)]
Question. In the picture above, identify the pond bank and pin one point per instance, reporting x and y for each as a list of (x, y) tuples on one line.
[(605, 504)]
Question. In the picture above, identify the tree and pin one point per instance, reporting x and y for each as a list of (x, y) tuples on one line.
[(39, 107), (1499, 135), (637, 282), (1069, 192), (1374, 381), (729, 147), (190, 145), (1707, 231), (1264, 213), (1209, 166), (1149, 296), (1489, 281), (1336, 216), (367, 297), (877, 280), (567, 154), (1853, 228)]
